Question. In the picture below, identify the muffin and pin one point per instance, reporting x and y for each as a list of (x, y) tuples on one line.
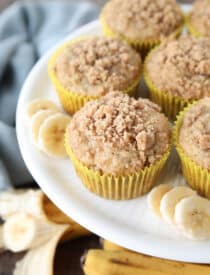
[(192, 138), (118, 145), (143, 23), (91, 67), (178, 72), (198, 21)]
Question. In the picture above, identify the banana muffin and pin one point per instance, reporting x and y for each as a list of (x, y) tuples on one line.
[(179, 70), (141, 21), (118, 134), (194, 134), (199, 18), (192, 140), (90, 67), (118, 145)]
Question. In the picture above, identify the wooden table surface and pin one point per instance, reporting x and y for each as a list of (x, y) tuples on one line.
[(67, 258)]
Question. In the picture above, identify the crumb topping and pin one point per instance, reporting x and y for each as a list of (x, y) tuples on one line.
[(195, 133), (182, 67), (200, 17), (117, 134), (94, 66), (143, 19)]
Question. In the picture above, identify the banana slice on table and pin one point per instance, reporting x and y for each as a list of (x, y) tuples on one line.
[(40, 260), (34, 202), (192, 216), (155, 196), (1, 238), (12, 202), (170, 199), (39, 104), (36, 122), (23, 231), (52, 135)]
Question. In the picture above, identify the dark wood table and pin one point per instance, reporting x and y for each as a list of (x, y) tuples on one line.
[(67, 258)]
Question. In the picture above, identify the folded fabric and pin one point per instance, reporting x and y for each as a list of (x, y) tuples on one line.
[(27, 30)]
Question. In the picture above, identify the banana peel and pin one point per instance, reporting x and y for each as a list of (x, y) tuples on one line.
[(54, 215), (33, 204), (39, 261), (121, 262)]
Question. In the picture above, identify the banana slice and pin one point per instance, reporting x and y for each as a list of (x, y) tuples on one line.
[(155, 196), (40, 260), (29, 202), (170, 199), (23, 231), (192, 216), (36, 122), (40, 104), (52, 133), (34, 202), (1, 238)]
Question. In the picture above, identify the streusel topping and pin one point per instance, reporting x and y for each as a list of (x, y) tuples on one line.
[(200, 17), (181, 67), (143, 19), (117, 134), (195, 133), (94, 66)]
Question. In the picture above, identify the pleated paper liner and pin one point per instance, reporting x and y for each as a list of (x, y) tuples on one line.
[(196, 176), (190, 27), (71, 100), (170, 104), (142, 46), (118, 187)]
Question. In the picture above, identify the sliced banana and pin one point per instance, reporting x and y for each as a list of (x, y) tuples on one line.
[(1, 238), (29, 201), (24, 231), (40, 260), (52, 135), (39, 104), (192, 216), (155, 196), (36, 122), (170, 199)]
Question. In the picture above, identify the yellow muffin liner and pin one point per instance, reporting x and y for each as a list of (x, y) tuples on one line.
[(190, 27), (142, 46), (71, 100), (118, 187), (196, 176), (170, 104)]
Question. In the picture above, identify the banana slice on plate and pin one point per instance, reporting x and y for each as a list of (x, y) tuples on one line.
[(36, 122), (192, 216), (23, 231), (155, 196), (39, 104), (171, 198), (52, 135)]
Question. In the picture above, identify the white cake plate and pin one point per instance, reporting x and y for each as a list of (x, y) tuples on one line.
[(127, 223)]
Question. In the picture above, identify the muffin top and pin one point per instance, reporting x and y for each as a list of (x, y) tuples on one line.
[(181, 67), (200, 17), (118, 135), (143, 19), (194, 136), (97, 65)]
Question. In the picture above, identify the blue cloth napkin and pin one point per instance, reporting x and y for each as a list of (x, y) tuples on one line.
[(27, 30)]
